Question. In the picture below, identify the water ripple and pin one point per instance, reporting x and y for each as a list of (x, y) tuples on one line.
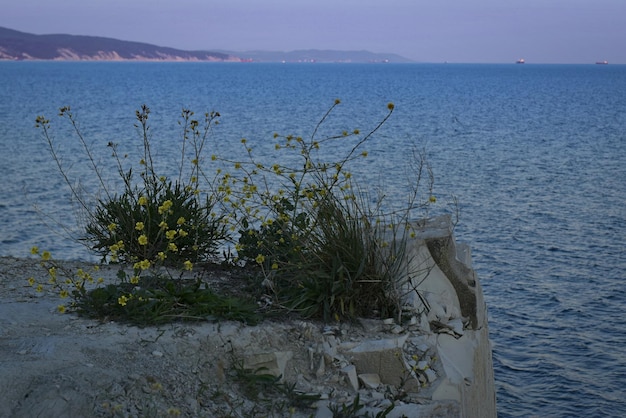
[(535, 156)]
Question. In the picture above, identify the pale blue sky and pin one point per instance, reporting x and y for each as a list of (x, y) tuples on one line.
[(541, 31)]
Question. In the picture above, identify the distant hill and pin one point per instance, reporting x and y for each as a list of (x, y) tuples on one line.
[(316, 55), (15, 45)]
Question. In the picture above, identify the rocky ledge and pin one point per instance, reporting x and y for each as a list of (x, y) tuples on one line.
[(436, 362)]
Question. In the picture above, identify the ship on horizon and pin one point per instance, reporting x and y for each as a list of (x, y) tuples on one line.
[(520, 61)]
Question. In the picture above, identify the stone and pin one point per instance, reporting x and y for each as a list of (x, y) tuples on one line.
[(273, 363), (382, 357), (323, 412), (430, 375), (350, 373), (456, 325), (370, 380)]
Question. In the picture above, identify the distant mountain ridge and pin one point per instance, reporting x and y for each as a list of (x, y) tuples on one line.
[(16, 45), (317, 55)]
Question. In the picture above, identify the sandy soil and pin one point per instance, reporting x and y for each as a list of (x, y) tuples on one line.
[(61, 365)]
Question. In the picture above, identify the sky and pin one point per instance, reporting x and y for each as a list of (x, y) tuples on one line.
[(465, 31)]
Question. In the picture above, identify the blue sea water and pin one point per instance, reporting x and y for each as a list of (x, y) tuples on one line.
[(534, 154)]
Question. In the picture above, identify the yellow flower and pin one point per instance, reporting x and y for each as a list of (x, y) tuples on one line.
[(275, 266), (61, 308), (31, 281), (163, 225), (364, 153), (432, 199), (100, 280), (173, 411), (172, 247), (64, 294), (139, 226), (122, 300), (183, 233), (188, 265), (34, 250), (337, 101), (180, 221), (213, 157), (143, 201), (134, 280), (45, 256), (144, 265), (390, 106), (112, 227), (165, 207), (39, 288), (171, 234), (260, 259), (142, 240), (161, 255)]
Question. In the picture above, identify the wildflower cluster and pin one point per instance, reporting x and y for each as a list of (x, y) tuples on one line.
[(300, 221), (156, 229), (159, 220)]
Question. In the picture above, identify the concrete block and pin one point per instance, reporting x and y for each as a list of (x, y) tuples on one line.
[(273, 363)]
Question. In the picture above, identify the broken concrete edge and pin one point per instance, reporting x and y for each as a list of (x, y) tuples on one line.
[(443, 355)]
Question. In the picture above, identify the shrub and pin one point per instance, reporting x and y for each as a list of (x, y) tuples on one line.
[(158, 219), (320, 247), (153, 225)]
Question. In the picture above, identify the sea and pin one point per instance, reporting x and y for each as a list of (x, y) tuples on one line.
[(529, 159)]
